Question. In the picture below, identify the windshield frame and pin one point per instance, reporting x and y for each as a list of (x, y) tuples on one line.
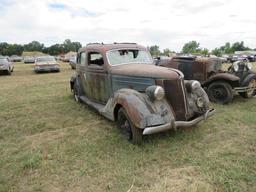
[(126, 63)]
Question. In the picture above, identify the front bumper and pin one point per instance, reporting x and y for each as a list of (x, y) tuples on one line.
[(161, 128), (241, 89), (46, 69)]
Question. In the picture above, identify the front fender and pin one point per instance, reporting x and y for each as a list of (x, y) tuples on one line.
[(247, 79), (223, 76), (139, 108)]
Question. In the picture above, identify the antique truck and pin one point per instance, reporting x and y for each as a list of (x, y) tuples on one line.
[(219, 84), (122, 83)]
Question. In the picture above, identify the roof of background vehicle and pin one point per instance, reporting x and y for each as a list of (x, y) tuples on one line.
[(106, 47)]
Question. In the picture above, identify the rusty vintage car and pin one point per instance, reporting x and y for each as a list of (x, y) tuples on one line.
[(220, 85), (46, 64), (122, 83)]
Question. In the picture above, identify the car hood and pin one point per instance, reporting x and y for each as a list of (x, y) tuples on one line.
[(145, 70), (46, 63)]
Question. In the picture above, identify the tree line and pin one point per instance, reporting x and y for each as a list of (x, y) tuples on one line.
[(56, 49), (192, 47)]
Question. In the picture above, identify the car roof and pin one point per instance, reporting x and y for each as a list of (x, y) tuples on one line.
[(106, 47)]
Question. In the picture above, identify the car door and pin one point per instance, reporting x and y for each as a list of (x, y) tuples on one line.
[(97, 83)]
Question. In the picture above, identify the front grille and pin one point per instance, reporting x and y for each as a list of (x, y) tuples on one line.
[(174, 92)]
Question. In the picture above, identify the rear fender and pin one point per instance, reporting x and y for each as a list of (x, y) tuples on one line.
[(232, 79)]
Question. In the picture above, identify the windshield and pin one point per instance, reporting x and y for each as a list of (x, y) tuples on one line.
[(3, 60), (45, 59), (125, 56)]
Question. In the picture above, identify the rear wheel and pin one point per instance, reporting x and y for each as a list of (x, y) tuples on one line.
[(220, 92), (251, 92), (128, 129)]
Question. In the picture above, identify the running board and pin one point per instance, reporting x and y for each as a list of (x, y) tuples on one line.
[(95, 105)]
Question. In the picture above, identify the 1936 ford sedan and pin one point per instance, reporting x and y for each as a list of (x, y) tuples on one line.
[(122, 83)]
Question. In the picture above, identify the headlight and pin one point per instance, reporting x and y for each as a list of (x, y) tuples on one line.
[(192, 85), (235, 66), (155, 92), (195, 84), (200, 102), (249, 66)]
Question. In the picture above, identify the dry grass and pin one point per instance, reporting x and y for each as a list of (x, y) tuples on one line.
[(50, 143)]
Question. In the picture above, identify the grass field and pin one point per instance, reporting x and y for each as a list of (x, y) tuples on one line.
[(50, 143)]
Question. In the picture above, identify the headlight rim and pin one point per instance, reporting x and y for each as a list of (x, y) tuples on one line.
[(155, 92)]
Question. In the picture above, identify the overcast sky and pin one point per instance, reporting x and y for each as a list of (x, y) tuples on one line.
[(167, 23)]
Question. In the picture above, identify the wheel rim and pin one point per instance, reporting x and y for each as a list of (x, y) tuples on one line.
[(125, 127), (219, 92), (252, 88)]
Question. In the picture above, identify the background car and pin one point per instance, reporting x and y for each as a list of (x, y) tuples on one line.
[(29, 59), (72, 62), (220, 85), (15, 58), (6, 65), (46, 64)]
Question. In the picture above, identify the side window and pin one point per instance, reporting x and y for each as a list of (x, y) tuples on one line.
[(95, 58), (81, 58)]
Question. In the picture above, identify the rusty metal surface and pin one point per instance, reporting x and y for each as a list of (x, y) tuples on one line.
[(175, 97), (222, 76), (144, 70), (205, 70)]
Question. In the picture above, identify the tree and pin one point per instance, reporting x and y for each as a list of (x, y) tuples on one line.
[(217, 52), (167, 52), (204, 51), (34, 46), (154, 50), (191, 47), (71, 46), (239, 46)]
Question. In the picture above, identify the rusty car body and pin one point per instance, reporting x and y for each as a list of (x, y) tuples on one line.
[(122, 83), (220, 85), (46, 64), (6, 65)]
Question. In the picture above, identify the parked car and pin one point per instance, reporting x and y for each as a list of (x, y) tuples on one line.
[(46, 64), (6, 65), (72, 62), (252, 58), (122, 83), (219, 84), (16, 58), (29, 59)]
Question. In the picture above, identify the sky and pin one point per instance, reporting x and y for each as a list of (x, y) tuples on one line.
[(167, 23)]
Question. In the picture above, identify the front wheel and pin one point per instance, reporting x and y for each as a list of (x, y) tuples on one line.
[(220, 92), (127, 128), (251, 92), (76, 93)]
